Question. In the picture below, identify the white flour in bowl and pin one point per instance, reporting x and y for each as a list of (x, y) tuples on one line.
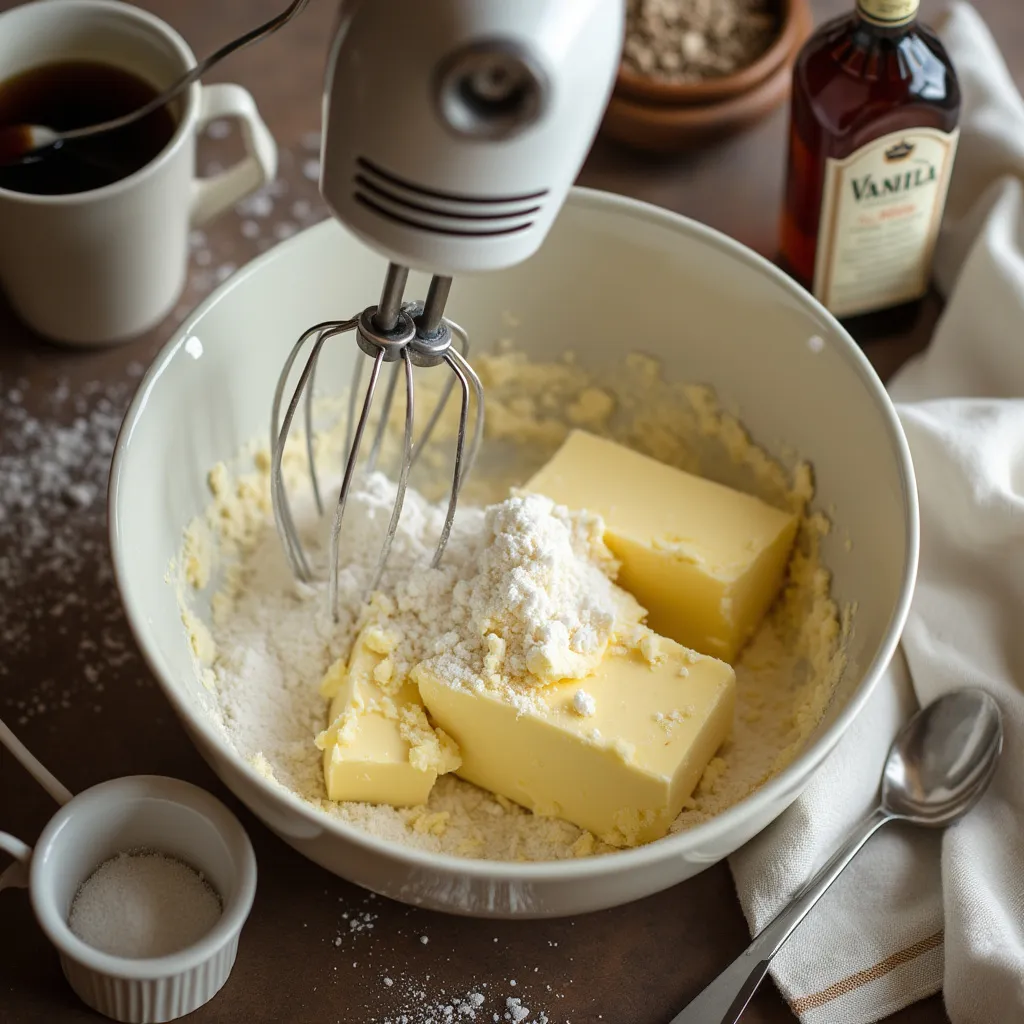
[(265, 642)]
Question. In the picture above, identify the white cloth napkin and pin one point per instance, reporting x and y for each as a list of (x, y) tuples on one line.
[(917, 912)]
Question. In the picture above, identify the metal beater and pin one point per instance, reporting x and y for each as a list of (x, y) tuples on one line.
[(452, 132)]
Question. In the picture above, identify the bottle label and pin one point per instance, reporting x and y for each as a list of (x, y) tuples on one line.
[(888, 13), (880, 216)]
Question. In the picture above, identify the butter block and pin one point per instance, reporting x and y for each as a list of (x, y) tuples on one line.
[(704, 560), (380, 747), (617, 753)]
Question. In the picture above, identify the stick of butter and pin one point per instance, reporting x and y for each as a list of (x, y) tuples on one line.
[(379, 747), (617, 753), (704, 560)]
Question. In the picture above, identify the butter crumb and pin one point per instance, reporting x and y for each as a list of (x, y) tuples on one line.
[(643, 366), (592, 408), (584, 846), (495, 656), (199, 638), (650, 648), (198, 555), (380, 641), (218, 480), (333, 679), (433, 823)]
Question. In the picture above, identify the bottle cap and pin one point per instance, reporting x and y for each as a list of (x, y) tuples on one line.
[(888, 13)]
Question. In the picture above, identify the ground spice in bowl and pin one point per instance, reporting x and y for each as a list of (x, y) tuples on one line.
[(683, 41)]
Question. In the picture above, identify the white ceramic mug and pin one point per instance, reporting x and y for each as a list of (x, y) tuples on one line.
[(104, 266)]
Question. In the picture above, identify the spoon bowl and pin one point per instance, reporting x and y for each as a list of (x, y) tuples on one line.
[(943, 759)]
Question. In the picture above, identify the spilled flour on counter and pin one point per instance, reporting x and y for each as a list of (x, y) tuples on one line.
[(263, 642)]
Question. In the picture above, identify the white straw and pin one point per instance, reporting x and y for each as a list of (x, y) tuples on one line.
[(52, 786)]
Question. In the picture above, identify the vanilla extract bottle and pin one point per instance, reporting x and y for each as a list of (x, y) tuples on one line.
[(872, 138)]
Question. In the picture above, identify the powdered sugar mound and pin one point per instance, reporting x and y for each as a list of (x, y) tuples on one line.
[(542, 586), (526, 601)]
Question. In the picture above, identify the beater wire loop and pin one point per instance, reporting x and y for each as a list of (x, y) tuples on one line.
[(459, 336), (385, 412), (279, 431), (457, 359), (310, 446), (346, 482), (403, 475), (457, 474), (409, 336)]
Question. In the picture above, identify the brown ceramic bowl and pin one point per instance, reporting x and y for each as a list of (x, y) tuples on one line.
[(648, 114)]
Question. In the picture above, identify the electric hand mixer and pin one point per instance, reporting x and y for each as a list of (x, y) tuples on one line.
[(452, 132)]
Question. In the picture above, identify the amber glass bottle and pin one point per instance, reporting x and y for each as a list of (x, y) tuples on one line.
[(873, 133)]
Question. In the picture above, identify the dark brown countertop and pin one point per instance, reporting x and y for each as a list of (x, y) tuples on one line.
[(76, 691)]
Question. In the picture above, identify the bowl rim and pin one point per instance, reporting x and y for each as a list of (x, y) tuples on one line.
[(510, 872), (795, 14)]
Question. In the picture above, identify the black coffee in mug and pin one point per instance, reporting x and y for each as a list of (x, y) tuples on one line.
[(73, 94)]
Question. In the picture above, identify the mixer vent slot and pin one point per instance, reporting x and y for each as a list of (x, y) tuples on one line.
[(443, 213)]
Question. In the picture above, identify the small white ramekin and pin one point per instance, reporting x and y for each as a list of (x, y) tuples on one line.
[(162, 814)]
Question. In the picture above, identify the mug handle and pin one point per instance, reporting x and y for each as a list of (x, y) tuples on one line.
[(211, 196), (16, 876)]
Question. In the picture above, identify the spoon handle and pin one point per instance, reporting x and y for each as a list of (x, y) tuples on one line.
[(193, 75), (727, 996), (33, 766)]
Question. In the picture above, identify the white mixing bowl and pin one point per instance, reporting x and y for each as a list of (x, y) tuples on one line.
[(614, 275)]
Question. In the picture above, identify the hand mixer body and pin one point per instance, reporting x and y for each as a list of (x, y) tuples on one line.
[(453, 129)]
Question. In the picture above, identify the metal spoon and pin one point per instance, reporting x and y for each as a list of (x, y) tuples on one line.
[(938, 766), (23, 142)]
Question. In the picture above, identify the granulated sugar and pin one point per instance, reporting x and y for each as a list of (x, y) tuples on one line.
[(143, 904), (267, 644)]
